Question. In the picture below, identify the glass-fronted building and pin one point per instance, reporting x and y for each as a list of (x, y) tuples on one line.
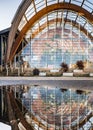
[(43, 35), (55, 32)]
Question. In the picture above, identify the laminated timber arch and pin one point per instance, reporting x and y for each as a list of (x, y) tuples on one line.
[(43, 26), (11, 51)]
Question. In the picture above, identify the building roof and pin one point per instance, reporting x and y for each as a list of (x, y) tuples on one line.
[(4, 31)]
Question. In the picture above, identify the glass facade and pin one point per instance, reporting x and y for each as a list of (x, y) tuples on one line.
[(75, 15), (53, 46), (60, 36), (39, 5)]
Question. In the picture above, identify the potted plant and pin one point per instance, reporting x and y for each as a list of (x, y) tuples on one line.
[(35, 71), (80, 65), (64, 67)]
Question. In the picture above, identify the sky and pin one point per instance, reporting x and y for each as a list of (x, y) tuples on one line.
[(8, 9), (4, 126)]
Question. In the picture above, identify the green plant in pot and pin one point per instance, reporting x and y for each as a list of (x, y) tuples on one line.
[(80, 64), (64, 67), (35, 71)]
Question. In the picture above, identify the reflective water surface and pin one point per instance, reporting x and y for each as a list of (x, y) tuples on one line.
[(57, 108), (46, 107)]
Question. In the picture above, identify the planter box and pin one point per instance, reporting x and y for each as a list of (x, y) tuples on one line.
[(42, 74), (91, 74), (54, 71), (68, 74), (77, 71)]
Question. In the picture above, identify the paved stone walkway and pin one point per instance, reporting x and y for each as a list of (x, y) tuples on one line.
[(64, 82)]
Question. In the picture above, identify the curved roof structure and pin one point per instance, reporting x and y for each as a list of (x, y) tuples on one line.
[(33, 16)]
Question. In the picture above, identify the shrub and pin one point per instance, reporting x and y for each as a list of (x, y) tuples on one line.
[(80, 64), (35, 71), (64, 67), (80, 92)]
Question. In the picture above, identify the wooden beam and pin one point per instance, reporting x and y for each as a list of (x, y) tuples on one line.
[(40, 14), (43, 26), (15, 23)]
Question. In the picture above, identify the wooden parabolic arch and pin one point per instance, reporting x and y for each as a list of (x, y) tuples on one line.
[(13, 46), (75, 24), (50, 22)]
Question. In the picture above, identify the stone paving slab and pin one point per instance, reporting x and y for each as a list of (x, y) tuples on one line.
[(64, 82)]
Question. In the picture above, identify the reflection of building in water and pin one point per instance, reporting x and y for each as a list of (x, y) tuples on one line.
[(57, 108), (46, 107)]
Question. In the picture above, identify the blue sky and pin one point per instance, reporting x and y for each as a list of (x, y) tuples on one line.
[(7, 11)]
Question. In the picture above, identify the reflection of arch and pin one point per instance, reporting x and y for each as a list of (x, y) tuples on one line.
[(36, 17), (16, 109)]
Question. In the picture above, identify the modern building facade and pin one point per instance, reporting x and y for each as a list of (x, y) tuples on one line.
[(45, 34), (54, 31)]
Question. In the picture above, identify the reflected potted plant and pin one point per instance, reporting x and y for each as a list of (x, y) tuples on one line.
[(80, 92)]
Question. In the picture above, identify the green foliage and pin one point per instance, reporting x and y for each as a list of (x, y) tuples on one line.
[(35, 71), (64, 67), (80, 92), (80, 64)]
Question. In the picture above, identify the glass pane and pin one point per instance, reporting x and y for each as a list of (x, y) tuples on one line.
[(50, 2), (89, 27), (76, 2), (22, 23), (43, 20), (89, 4), (87, 8), (41, 6), (67, 0), (30, 12)]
